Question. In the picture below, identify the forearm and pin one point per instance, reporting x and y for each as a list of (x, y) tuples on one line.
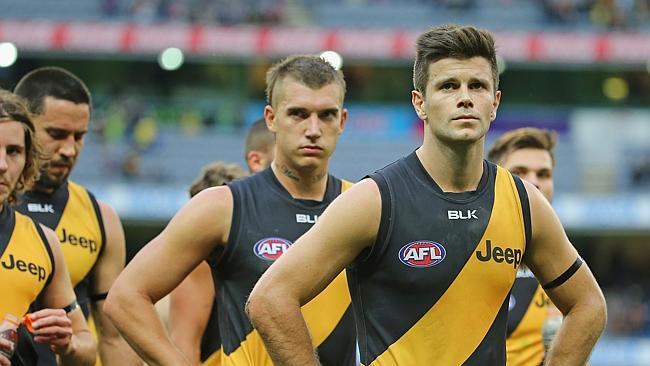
[(575, 340), (136, 319), (115, 351), (82, 350), (283, 330)]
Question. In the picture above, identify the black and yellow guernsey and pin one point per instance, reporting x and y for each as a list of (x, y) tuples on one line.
[(26, 262), (266, 221), (73, 213), (528, 309), (434, 288)]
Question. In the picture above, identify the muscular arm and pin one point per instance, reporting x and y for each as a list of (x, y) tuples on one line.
[(189, 310), (113, 349), (549, 255), (67, 335), (192, 234), (346, 227)]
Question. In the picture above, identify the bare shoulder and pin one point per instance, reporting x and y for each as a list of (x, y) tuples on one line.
[(107, 211), (366, 189), (207, 215), (356, 214)]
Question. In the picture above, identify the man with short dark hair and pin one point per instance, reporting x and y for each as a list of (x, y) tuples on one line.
[(91, 234), (433, 241)]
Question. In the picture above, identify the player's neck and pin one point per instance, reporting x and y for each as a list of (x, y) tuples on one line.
[(454, 169), (308, 183)]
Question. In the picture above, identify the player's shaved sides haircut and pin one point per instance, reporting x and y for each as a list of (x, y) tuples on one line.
[(310, 70)]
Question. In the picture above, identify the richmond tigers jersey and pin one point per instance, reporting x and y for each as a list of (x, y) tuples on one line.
[(528, 309), (433, 289), (73, 213), (266, 221), (26, 262)]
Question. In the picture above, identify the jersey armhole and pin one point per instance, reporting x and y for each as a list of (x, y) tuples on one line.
[(525, 207), (385, 223), (46, 243), (218, 254)]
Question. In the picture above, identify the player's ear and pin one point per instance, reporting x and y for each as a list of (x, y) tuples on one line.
[(344, 119), (269, 118), (417, 99)]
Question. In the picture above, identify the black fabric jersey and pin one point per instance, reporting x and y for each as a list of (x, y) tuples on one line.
[(266, 221), (433, 290)]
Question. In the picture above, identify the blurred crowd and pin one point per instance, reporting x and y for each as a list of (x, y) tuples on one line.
[(603, 14)]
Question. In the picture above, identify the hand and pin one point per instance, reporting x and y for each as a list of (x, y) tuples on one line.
[(53, 327), (8, 347)]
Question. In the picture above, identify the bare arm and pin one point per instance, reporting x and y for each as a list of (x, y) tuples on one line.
[(549, 255), (201, 225), (113, 349), (189, 310), (346, 227), (67, 335)]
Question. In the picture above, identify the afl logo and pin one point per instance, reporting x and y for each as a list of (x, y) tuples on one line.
[(271, 249), (422, 253)]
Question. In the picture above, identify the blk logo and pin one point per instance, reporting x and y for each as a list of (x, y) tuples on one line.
[(40, 207), (422, 253), (306, 218), (271, 249), (461, 215)]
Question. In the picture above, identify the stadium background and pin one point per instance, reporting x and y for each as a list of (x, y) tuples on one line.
[(175, 83)]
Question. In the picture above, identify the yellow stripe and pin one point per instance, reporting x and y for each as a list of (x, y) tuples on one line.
[(214, 359), (457, 323), (322, 314), (250, 352)]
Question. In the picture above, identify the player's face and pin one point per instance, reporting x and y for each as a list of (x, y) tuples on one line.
[(12, 156), (307, 123), (60, 130), (534, 166), (460, 100)]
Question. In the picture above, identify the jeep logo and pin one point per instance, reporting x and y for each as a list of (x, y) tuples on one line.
[(81, 241), (500, 255), (27, 267)]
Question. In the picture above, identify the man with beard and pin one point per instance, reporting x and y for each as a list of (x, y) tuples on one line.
[(90, 232), (532, 317)]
